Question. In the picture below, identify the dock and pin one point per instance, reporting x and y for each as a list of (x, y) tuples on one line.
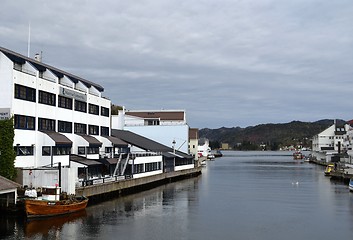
[(343, 174), (108, 190)]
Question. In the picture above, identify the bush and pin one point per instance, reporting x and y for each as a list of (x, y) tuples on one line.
[(7, 152)]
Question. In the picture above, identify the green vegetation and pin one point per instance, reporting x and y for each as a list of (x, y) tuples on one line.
[(266, 136), (115, 109), (7, 152)]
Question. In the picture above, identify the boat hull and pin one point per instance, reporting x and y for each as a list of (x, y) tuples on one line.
[(42, 208), (350, 186)]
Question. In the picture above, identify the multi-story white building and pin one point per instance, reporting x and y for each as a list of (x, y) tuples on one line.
[(329, 141), (168, 127), (55, 113), (63, 120)]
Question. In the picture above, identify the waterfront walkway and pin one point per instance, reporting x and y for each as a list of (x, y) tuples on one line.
[(95, 192)]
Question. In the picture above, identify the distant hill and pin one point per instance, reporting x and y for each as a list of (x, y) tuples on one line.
[(270, 135)]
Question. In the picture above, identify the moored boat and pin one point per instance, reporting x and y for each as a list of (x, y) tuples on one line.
[(51, 205), (329, 169), (350, 186), (218, 153), (298, 155)]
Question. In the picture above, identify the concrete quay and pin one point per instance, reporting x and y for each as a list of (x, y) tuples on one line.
[(103, 191)]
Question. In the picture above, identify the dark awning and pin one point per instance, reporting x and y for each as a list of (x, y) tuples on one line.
[(109, 161), (87, 162), (59, 139), (93, 142), (117, 142)]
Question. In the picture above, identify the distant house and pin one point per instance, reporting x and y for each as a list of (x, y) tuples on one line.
[(193, 141), (8, 193), (329, 141), (225, 146)]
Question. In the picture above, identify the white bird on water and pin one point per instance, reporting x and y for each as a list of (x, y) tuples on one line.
[(295, 183)]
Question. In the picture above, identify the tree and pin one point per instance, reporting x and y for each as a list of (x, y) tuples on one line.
[(115, 109), (7, 152)]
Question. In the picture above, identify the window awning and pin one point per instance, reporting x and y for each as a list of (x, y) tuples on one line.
[(87, 162), (92, 141), (59, 139), (117, 142)]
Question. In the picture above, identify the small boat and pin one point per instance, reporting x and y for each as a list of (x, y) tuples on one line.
[(329, 169), (351, 185), (218, 153), (211, 156), (298, 155), (51, 205)]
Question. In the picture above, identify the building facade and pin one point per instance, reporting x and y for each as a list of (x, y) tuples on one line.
[(168, 127), (329, 142), (63, 133), (54, 112)]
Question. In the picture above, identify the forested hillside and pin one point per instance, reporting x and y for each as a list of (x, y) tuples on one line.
[(269, 136)]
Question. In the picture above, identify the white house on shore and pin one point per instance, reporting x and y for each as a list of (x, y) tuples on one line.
[(329, 142)]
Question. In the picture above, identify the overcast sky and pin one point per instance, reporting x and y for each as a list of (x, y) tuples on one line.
[(226, 62)]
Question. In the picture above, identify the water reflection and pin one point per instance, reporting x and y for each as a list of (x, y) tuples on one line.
[(239, 196), (45, 227)]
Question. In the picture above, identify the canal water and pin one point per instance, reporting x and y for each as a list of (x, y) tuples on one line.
[(243, 195)]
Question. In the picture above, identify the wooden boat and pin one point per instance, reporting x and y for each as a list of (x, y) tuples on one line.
[(50, 205), (350, 186)]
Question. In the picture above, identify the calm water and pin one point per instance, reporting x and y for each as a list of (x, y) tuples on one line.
[(243, 195)]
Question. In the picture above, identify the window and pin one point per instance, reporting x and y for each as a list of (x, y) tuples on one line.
[(24, 122), (46, 124), (65, 127), (47, 98), (61, 151), (93, 130), (65, 102), (46, 151), (108, 149), (105, 111), (24, 150), (80, 128), (154, 166), (92, 150), (150, 122), (93, 109), (25, 93), (80, 106), (138, 168), (104, 131), (81, 150)]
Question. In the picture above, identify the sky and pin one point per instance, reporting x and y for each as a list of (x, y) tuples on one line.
[(227, 63)]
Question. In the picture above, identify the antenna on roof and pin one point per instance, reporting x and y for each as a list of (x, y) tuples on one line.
[(29, 39)]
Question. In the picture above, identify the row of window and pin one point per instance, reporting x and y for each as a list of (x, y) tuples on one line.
[(46, 150), (147, 167), (45, 124), (29, 94), (184, 161)]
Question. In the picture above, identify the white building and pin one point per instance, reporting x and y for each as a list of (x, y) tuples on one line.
[(63, 120), (168, 127), (329, 141), (55, 113)]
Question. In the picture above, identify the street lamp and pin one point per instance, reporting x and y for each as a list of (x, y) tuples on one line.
[(174, 142)]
